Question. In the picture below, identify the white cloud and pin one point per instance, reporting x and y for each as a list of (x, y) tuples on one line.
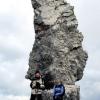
[(11, 97), (16, 39), (88, 18), (12, 78)]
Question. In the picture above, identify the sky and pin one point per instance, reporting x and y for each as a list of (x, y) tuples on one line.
[(17, 38)]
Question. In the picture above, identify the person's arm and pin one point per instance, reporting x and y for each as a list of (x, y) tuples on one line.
[(42, 87), (58, 94), (54, 91), (39, 84), (32, 85)]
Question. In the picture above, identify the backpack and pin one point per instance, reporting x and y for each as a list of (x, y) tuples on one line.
[(59, 90)]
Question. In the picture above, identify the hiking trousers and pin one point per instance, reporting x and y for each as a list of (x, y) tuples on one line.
[(36, 97), (58, 98)]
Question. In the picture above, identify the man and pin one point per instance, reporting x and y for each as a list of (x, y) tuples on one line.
[(37, 87)]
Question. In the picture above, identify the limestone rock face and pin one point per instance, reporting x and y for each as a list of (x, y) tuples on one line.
[(58, 43), (57, 50)]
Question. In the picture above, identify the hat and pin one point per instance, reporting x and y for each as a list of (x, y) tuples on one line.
[(37, 74)]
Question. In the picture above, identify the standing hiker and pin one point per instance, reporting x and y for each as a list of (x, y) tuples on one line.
[(58, 91), (37, 87)]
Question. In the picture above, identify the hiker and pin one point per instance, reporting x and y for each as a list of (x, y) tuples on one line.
[(58, 90), (37, 87)]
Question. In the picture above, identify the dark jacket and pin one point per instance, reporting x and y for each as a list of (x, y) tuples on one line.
[(59, 90)]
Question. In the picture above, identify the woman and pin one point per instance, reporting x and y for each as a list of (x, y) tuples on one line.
[(58, 90), (37, 87)]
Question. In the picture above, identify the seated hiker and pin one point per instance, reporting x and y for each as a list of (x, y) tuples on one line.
[(37, 87), (58, 91)]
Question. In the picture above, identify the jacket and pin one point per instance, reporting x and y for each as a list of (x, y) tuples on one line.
[(59, 90), (36, 86)]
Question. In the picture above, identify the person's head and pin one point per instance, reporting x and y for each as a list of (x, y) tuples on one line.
[(37, 75)]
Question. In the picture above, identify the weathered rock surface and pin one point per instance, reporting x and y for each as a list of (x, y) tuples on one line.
[(58, 43), (71, 93)]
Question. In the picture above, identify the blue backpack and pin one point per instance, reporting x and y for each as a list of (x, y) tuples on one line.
[(59, 90)]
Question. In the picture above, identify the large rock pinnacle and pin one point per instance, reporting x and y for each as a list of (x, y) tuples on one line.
[(58, 43)]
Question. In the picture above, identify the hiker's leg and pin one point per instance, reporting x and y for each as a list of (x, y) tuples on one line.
[(61, 98), (39, 97), (57, 98), (33, 96), (54, 98)]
